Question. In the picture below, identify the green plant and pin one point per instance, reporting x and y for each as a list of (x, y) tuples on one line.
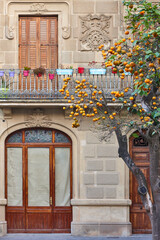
[(51, 72), (27, 68), (39, 71)]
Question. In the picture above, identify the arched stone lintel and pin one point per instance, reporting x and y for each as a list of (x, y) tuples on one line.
[(14, 8)]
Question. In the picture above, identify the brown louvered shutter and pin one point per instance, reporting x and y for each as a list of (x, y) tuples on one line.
[(38, 42)]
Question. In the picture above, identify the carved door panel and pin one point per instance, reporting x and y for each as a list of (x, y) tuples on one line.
[(139, 152), (38, 181)]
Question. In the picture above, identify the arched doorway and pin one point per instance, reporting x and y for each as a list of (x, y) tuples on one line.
[(38, 181), (139, 152)]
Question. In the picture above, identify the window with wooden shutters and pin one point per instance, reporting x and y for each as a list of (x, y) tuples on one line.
[(38, 42)]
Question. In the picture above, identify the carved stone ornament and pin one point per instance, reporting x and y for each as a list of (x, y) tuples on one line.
[(66, 32), (38, 119), (38, 7), (94, 32), (10, 32)]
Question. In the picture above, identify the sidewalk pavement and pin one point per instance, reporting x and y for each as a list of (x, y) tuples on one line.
[(43, 236)]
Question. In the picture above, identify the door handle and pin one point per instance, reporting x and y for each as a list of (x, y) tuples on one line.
[(50, 200)]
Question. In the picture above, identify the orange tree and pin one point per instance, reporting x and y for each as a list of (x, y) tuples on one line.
[(137, 54)]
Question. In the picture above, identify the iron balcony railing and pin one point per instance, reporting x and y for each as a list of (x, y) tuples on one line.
[(18, 84)]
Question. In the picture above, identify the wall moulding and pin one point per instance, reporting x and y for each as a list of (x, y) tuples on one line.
[(51, 7)]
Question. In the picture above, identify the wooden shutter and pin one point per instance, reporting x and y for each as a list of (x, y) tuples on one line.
[(38, 42)]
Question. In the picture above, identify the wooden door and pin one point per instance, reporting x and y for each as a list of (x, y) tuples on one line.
[(38, 181), (139, 152)]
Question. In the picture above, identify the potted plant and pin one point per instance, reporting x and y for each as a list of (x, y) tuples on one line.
[(26, 71), (51, 75), (39, 71), (94, 70), (65, 71), (81, 70), (11, 72)]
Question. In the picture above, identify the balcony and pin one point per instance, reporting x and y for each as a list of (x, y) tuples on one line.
[(16, 88)]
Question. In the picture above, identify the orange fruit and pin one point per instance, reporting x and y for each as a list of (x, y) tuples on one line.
[(142, 13), (147, 80), (131, 6), (151, 64)]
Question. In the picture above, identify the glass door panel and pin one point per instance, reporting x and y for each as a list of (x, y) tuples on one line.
[(14, 176), (38, 177), (62, 176)]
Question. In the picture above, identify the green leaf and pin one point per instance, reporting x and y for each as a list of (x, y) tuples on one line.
[(135, 135), (149, 52), (147, 56), (157, 114), (157, 12), (157, 54)]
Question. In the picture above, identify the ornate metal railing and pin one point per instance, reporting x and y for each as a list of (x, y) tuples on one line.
[(17, 84)]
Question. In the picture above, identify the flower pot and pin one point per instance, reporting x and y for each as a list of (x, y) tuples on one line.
[(39, 74), (51, 76), (1, 73), (127, 73), (80, 70), (113, 71), (25, 73), (11, 73), (97, 71), (64, 71)]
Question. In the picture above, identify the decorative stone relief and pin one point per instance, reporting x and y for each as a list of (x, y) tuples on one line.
[(66, 31), (38, 7), (94, 32), (38, 119), (9, 30)]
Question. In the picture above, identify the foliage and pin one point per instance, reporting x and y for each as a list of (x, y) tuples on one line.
[(51, 72), (27, 68), (40, 70), (137, 54)]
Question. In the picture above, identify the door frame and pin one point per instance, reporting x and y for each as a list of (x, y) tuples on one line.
[(55, 209)]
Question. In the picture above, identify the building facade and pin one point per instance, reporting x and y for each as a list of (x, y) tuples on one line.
[(54, 178)]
